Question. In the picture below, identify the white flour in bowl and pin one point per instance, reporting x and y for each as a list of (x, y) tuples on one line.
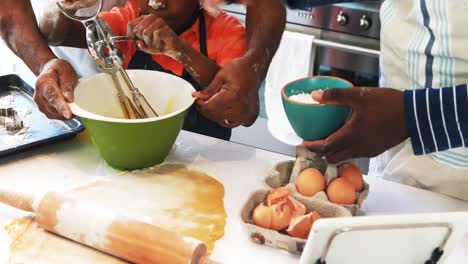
[(305, 98)]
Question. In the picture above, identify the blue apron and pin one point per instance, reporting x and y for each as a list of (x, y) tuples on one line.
[(195, 121)]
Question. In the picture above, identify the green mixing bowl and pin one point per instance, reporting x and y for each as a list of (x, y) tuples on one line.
[(133, 144), (314, 121)]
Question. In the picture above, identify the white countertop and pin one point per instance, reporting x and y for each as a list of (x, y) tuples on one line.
[(240, 168)]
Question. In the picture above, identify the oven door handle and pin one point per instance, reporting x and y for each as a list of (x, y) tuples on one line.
[(347, 48)]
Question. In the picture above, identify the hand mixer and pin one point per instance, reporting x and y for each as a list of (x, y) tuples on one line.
[(101, 45)]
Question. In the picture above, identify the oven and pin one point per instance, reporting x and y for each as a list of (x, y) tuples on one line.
[(347, 37)]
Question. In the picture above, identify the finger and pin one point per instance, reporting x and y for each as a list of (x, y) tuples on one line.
[(131, 26), (213, 88), (141, 45), (64, 108), (214, 109), (227, 122), (317, 146), (231, 119), (337, 140), (225, 116), (199, 102), (148, 37), (145, 23), (342, 155), (217, 103), (68, 82), (158, 46), (224, 120), (51, 113), (209, 110), (54, 98), (45, 108), (338, 96), (251, 115)]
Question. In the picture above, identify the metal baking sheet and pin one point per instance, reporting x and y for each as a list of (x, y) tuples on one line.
[(38, 129)]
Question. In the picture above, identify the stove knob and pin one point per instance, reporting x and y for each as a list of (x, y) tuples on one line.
[(342, 18), (365, 22)]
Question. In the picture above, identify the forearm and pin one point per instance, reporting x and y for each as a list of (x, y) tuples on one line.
[(19, 30), (265, 23), (437, 119), (59, 30), (200, 67)]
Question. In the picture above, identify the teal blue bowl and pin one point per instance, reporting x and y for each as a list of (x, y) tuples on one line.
[(314, 121)]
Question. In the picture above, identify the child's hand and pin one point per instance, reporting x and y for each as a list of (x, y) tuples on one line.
[(155, 36)]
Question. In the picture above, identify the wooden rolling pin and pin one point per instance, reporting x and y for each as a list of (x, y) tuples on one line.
[(128, 239)]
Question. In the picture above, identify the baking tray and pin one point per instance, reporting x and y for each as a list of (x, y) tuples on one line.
[(39, 130)]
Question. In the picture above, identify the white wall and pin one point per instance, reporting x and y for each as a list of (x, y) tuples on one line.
[(11, 64)]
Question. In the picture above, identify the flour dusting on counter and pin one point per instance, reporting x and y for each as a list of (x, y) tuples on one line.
[(32, 244), (14, 123), (169, 196), (22, 124)]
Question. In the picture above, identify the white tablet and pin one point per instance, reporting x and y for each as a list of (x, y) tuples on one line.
[(401, 239)]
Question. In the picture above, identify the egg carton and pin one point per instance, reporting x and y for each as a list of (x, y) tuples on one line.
[(280, 239), (284, 174)]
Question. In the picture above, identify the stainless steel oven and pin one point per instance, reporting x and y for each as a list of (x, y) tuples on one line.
[(347, 37)]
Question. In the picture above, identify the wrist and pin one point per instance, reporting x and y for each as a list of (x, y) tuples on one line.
[(179, 48), (181, 52), (411, 121), (259, 61), (45, 62)]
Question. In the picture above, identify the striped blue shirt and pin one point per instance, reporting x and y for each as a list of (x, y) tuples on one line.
[(437, 119)]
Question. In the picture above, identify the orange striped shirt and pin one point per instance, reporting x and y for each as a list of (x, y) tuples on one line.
[(226, 37)]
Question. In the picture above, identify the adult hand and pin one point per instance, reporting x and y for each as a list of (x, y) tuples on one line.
[(76, 4), (54, 89), (377, 123), (231, 99)]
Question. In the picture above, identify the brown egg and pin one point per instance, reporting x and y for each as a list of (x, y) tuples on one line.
[(276, 217), (262, 216), (277, 195), (309, 182), (353, 174), (300, 226), (281, 216), (282, 195), (297, 208), (341, 191)]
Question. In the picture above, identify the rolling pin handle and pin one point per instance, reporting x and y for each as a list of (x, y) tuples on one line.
[(17, 200)]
